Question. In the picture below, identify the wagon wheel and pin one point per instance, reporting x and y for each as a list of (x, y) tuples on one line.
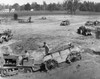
[(68, 59), (73, 57), (6, 39), (79, 57), (78, 31), (84, 32), (51, 64)]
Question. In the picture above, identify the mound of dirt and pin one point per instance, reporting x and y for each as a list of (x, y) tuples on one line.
[(28, 44), (34, 41)]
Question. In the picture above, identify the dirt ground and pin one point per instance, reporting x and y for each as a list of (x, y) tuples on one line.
[(50, 31)]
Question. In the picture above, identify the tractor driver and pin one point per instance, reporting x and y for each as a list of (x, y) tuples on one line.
[(26, 57), (29, 19)]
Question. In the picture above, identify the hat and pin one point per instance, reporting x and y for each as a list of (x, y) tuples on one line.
[(44, 42)]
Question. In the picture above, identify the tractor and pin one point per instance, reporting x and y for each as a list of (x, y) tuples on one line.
[(11, 66), (84, 31), (96, 23), (64, 23), (92, 23), (6, 36), (89, 23)]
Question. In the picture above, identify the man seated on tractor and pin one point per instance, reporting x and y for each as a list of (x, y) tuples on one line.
[(29, 19), (26, 57)]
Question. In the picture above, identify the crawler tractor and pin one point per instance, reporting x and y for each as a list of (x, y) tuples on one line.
[(11, 66), (67, 53)]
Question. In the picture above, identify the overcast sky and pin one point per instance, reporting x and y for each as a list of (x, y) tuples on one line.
[(30, 1)]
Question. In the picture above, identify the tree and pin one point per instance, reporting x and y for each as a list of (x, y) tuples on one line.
[(97, 7), (22, 7), (82, 7), (71, 5), (35, 6), (87, 6), (59, 6), (16, 6), (52, 6), (75, 5), (27, 7), (44, 5)]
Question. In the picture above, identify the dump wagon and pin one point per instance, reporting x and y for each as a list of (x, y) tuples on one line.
[(68, 54)]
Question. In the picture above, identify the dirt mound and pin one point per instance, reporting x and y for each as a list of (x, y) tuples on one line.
[(28, 44)]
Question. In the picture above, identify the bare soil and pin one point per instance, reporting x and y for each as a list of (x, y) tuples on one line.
[(31, 36)]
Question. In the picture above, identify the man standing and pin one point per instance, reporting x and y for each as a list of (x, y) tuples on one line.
[(46, 48)]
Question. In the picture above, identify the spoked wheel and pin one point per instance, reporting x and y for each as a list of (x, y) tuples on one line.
[(68, 59), (79, 57), (51, 64), (73, 57)]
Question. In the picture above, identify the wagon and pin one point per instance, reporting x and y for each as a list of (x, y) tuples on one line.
[(24, 21), (68, 54)]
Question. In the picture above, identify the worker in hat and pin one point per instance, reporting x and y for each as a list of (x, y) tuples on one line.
[(46, 48)]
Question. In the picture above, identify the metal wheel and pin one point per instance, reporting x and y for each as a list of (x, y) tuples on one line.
[(68, 59), (51, 64), (73, 57)]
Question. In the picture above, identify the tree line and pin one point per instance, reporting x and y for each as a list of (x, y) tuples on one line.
[(68, 5)]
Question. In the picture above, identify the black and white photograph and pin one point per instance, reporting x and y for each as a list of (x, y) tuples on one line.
[(49, 39)]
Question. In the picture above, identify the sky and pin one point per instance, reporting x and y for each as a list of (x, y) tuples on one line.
[(11, 2)]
